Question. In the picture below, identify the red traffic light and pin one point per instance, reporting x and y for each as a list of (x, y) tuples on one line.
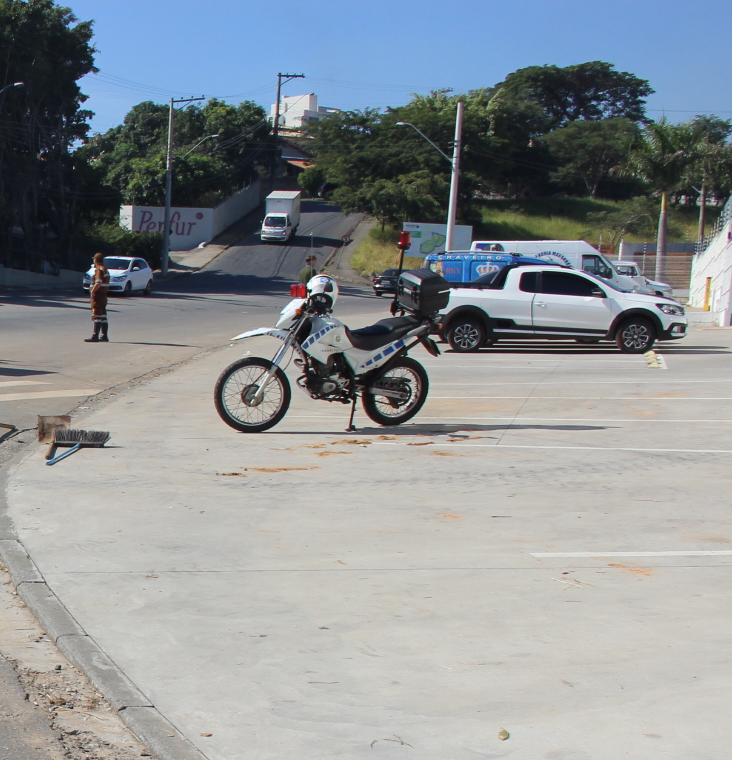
[(405, 240)]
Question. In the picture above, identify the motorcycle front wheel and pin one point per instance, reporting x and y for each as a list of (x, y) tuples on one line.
[(404, 385), (235, 395)]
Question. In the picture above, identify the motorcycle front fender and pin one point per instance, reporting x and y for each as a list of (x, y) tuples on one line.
[(273, 331)]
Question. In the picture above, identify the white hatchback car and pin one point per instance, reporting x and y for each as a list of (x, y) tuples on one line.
[(126, 273)]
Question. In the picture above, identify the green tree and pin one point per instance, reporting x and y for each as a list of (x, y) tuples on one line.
[(711, 173), (45, 47), (132, 155), (586, 151), (311, 180), (587, 91), (660, 158), (633, 216), (368, 155)]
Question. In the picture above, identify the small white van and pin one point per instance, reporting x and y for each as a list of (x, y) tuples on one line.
[(631, 269), (578, 254)]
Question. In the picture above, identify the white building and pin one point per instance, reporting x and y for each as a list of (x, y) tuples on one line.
[(297, 110), (711, 271)]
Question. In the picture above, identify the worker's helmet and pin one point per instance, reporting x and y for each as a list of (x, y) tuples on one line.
[(323, 290)]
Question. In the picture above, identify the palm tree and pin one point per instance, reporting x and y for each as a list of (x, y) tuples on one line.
[(660, 158)]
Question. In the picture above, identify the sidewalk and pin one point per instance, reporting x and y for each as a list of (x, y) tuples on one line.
[(312, 594)]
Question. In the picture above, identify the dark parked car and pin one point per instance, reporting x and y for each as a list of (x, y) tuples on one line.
[(386, 282)]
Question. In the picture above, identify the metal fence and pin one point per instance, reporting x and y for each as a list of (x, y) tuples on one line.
[(724, 217)]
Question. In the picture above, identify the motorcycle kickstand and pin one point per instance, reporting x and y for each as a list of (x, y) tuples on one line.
[(351, 427)]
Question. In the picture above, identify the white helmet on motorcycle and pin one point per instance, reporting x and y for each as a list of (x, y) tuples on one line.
[(323, 290)]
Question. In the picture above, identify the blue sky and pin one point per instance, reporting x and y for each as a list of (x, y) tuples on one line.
[(376, 53)]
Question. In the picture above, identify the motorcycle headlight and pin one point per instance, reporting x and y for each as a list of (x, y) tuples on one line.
[(672, 309)]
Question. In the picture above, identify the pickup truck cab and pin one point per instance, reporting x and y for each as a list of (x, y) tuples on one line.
[(555, 302)]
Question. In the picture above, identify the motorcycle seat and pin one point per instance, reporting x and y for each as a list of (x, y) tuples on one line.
[(382, 333)]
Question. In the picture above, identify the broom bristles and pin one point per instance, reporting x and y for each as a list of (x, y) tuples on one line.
[(70, 435)]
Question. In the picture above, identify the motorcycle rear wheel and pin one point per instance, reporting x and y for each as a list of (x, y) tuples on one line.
[(406, 375), (235, 390)]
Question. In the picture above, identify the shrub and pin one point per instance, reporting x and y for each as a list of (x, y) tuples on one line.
[(113, 240)]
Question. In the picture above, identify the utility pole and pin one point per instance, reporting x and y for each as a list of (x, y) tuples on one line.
[(281, 79), (168, 186), (454, 171), (454, 175)]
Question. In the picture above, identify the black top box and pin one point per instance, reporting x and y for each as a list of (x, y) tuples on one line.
[(422, 292)]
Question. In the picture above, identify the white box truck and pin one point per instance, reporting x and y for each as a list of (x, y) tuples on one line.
[(578, 254), (281, 217)]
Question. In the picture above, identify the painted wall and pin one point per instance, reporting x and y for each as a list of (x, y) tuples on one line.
[(189, 227), (714, 262)]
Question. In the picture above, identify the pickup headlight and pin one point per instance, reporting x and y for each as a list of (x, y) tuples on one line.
[(669, 308)]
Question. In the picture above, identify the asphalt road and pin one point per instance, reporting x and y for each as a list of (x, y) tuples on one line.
[(46, 368)]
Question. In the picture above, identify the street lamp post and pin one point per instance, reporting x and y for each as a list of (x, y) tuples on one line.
[(168, 185), (454, 171), (8, 86), (208, 137)]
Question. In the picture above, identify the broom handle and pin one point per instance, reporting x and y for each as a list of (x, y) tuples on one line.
[(64, 455)]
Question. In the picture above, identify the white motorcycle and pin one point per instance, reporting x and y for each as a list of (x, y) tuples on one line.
[(337, 364)]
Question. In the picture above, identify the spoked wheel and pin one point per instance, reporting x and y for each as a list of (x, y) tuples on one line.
[(466, 334), (635, 336), (236, 400), (397, 394)]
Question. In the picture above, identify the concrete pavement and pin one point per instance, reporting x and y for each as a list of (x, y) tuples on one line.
[(544, 549)]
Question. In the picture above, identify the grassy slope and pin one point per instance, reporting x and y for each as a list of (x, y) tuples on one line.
[(530, 219), (564, 219)]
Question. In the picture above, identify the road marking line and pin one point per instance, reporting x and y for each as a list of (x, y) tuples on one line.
[(48, 394), (706, 553), (8, 383), (519, 420), (593, 382), (593, 398), (458, 445)]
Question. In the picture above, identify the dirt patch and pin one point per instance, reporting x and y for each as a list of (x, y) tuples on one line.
[(422, 443), (287, 469), (351, 442), (633, 570), (332, 453), (85, 725)]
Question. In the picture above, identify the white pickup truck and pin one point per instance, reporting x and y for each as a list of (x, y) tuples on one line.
[(553, 302)]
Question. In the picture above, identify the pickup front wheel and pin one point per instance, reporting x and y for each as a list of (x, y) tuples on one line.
[(635, 336), (466, 334)]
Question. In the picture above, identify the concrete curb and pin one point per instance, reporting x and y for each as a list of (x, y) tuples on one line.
[(137, 712)]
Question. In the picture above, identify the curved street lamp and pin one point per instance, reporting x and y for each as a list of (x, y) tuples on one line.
[(13, 84), (208, 137), (454, 171)]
